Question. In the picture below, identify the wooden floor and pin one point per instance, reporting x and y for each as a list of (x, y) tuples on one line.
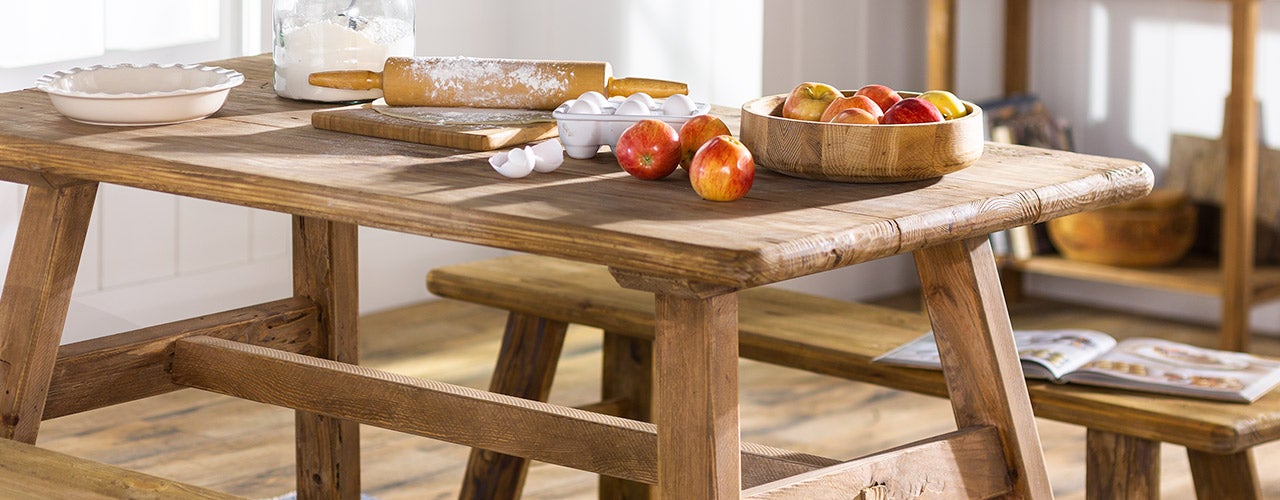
[(247, 449)]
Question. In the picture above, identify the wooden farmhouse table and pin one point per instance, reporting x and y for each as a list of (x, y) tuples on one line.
[(261, 151)]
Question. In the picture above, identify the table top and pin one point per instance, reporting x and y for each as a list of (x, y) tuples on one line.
[(261, 151)]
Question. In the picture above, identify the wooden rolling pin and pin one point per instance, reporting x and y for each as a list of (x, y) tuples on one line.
[(490, 83)]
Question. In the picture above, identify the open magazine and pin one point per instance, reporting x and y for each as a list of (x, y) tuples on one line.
[(1141, 364)]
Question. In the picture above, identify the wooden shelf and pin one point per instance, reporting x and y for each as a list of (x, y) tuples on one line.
[(1198, 276)]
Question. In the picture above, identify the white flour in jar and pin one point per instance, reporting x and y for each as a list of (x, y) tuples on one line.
[(331, 45)]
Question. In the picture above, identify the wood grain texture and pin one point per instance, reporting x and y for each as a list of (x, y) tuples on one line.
[(979, 360), (525, 369), (365, 121), (961, 465), (30, 472), (260, 151), (1240, 137), (549, 433), (626, 373), (325, 271), (1233, 475), (696, 396), (124, 367), (37, 292), (1119, 466), (840, 338), (859, 153)]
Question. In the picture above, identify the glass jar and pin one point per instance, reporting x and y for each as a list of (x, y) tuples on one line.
[(329, 35)]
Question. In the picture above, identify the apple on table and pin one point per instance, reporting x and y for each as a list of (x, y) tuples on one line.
[(649, 149), (722, 169), (696, 132)]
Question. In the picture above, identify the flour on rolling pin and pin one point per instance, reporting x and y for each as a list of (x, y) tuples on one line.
[(464, 116), (490, 83)]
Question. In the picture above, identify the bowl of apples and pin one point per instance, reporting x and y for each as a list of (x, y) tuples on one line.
[(871, 135)]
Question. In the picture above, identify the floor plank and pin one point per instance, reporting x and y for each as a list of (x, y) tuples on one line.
[(246, 448)]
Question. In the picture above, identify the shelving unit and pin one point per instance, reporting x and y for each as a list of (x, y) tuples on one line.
[(1233, 278)]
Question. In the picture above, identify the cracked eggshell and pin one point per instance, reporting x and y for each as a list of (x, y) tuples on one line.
[(547, 155), (519, 163), (678, 105)]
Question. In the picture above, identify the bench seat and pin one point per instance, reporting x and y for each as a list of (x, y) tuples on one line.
[(840, 338)]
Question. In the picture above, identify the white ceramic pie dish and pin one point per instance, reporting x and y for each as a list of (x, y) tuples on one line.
[(124, 94)]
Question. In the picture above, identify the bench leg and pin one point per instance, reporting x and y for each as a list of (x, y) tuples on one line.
[(627, 375), (526, 365), (1231, 475), (1119, 466)]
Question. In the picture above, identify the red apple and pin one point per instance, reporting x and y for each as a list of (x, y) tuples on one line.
[(649, 149), (884, 96), (808, 100), (912, 110), (696, 132), (722, 169), (856, 116), (857, 101)]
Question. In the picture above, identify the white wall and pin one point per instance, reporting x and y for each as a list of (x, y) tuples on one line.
[(1126, 73)]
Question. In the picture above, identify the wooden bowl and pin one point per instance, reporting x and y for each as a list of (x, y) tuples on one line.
[(1154, 231), (859, 153)]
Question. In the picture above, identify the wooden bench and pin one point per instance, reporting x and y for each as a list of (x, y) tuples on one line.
[(27, 471), (837, 338)]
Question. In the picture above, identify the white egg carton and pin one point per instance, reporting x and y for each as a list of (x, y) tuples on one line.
[(591, 121)]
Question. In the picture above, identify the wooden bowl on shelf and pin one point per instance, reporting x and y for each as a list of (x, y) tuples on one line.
[(1157, 230), (859, 153)]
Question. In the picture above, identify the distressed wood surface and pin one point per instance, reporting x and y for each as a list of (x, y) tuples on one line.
[(37, 292), (30, 472), (366, 121), (325, 272), (840, 338), (1120, 466), (1232, 475), (124, 367), (261, 151), (525, 369), (626, 373), (545, 432)]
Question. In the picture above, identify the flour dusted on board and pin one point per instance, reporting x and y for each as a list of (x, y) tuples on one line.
[(332, 44)]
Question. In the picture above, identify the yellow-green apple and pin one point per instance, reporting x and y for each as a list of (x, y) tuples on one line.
[(696, 132), (722, 169), (884, 97), (858, 101), (912, 110), (808, 100), (649, 149), (857, 116), (947, 103)]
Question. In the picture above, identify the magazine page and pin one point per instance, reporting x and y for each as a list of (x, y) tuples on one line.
[(1169, 367), (1045, 354), (1059, 352)]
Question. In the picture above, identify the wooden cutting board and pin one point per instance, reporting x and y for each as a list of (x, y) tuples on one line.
[(366, 121)]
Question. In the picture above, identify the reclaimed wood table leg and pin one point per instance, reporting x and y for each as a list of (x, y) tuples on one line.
[(627, 374), (525, 368), (325, 271), (37, 292), (695, 386), (1120, 466), (984, 376), (1225, 475)]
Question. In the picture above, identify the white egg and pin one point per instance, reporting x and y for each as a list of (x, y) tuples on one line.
[(644, 98), (584, 107), (594, 97), (519, 164), (632, 108), (678, 105), (547, 155), (498, 160)]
